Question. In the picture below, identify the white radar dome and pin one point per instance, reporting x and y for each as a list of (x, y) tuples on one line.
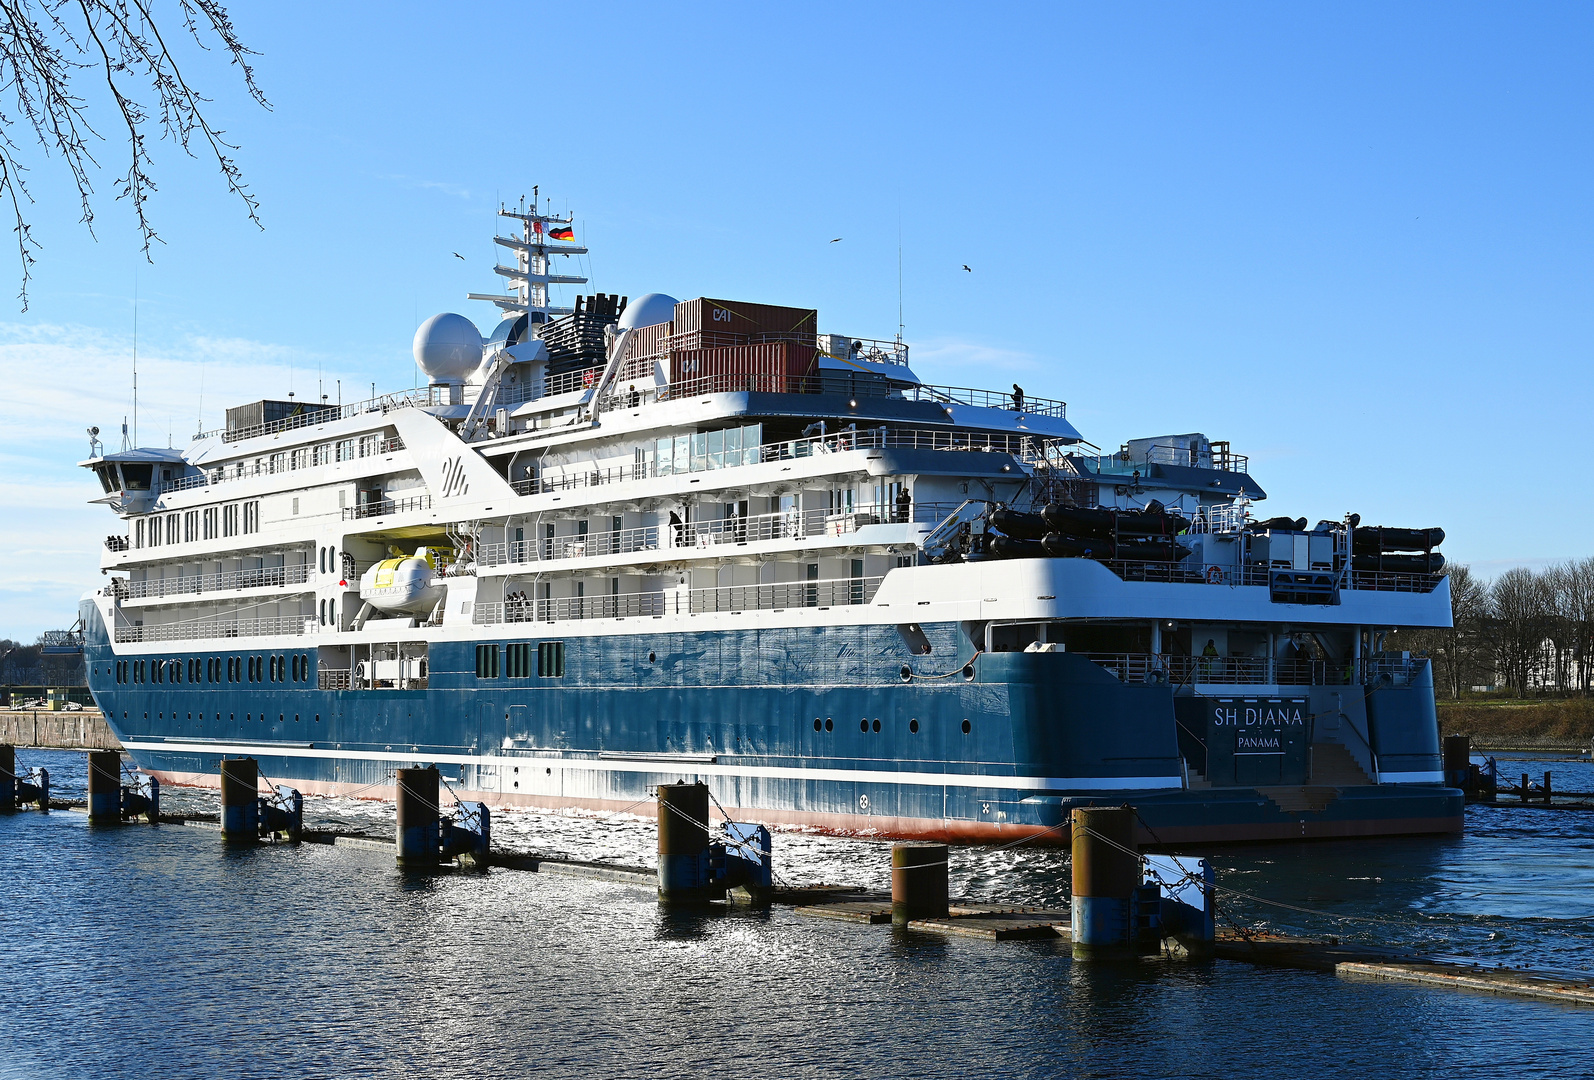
[(649, 310), (447, 348)]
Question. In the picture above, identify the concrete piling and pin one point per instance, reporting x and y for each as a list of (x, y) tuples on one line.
[(240, 806), (1107, 872), (918, 882), (8, 778), (418, 831), (684, 845), (105, 786)]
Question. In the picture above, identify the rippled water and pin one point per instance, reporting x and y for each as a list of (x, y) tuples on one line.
[(134, 951)]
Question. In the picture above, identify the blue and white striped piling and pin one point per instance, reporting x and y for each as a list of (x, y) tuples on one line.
[(240, 806)]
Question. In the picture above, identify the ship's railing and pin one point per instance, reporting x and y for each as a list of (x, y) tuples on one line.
[(1221, 518), (383, 507), (784, 450), (206, 629), (1218, 459), (846, 385), (1254, 670), (245, 470), (333, 679), (691, 535), (116, 543), (203, 583), (873, 350), (383, 403), (832, 592), (1385, 581)]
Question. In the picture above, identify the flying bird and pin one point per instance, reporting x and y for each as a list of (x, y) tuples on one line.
[(969, 268), (460, 257), (837, 240)]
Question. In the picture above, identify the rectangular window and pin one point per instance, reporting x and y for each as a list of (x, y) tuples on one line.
[(370, 445), (299, 458), (138, 533), (174, 528), (321, 453), (190, 526), (487, 661), (346, 450), (252, 516), (296, 504), (212, 523), (551, 660), (517, 660), (279, 462)]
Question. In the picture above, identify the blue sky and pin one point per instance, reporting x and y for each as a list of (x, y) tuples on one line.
[(1352, 239)]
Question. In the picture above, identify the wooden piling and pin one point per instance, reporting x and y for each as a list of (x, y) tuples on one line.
[(105, 786), (240, 808), (417, 796), (918, 882), (1106, 871), (8, 778)]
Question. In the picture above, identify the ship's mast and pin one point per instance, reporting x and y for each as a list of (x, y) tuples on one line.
[(530, 276)]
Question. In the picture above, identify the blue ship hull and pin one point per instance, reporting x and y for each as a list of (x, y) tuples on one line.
[(838, 728)]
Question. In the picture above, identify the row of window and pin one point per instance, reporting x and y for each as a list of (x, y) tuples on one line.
[(516, 660), (293, 667), (188, 526)]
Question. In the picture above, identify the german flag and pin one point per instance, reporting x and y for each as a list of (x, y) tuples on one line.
[(562, 232)]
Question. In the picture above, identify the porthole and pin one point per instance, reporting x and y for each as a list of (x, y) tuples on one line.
[(863, 725), (818, 724), (968, 670), (907, 673), (318, 718), (913, 726), (295, 718), (828, 725), (876, 726), (967, 727), (652, 658)]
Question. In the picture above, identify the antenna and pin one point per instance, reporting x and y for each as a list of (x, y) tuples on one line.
[(135, 357), (200, 430)]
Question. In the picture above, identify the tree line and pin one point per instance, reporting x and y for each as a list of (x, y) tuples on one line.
[(1529, 630), (29, 665)]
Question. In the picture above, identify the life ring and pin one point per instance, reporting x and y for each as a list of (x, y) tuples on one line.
[(587, 377), (1214, 575)]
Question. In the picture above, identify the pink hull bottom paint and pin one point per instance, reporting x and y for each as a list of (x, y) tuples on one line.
[(903, 828)]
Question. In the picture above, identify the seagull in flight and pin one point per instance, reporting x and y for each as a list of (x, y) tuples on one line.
[(837, 240), (969, 268), (460, 257)]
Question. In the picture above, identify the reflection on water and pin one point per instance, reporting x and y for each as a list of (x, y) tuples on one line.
[(135, 950)]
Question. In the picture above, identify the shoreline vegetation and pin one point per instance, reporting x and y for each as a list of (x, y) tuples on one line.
[(1496, 724)]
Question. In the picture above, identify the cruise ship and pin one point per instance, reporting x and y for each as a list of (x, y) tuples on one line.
[(630, 542)]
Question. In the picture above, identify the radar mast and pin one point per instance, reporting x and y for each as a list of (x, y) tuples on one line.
[(529, 277)]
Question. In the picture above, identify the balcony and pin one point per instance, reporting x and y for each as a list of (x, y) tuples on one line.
[(384, 507), (197, 584), (776, 596), (1254, 670), (211, 629)]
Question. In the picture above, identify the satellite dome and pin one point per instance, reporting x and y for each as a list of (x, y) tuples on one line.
[(448, 348), (649, 310)]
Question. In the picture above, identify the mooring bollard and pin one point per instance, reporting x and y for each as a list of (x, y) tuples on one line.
[(683, 845), (8, 778), (1106, 875), (240, 807), (1458, 759), (918, 882), (417, 797), (105, 786), (1546, 788)]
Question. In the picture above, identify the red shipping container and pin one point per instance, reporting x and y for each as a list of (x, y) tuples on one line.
[(755, 323), (773, 368)]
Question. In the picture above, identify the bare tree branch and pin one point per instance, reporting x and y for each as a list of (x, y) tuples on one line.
[(44, 44)]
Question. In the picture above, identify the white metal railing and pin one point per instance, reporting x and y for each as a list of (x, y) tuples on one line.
[(246, 470), (1021, 446), (382, 403), (203, 583), (833, 592), (781, 525), (204, 629), (383, 507)]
